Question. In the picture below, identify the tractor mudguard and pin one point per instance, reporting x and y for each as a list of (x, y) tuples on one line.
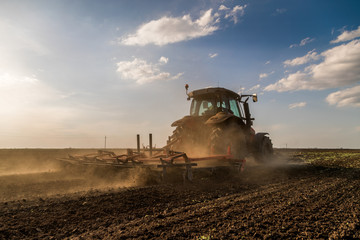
[(181, 121), (258, 139), (219, 118)]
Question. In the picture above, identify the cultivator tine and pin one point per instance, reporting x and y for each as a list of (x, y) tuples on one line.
[(239, 165), (189, 175), (164, 173), (170, 163)]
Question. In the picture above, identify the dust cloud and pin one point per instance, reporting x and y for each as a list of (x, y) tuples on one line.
[(35, 173)]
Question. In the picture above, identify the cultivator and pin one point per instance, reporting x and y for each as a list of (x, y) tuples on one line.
[(163, 161)]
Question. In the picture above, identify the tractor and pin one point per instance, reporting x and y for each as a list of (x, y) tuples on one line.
[(216, 134), (219, 123)]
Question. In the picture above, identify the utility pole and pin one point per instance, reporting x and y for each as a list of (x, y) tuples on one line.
[(105, 142), (150, 144)]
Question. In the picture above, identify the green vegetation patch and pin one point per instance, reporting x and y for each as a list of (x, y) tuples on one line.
[(331, 158)]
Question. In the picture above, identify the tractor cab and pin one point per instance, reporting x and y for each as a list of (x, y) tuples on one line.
[(211, 105), (211, 101)]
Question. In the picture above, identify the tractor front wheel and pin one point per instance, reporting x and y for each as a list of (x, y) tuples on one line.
[(180, 140)]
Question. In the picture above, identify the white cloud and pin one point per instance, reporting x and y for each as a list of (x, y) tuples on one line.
[(340, 67), (303, 42), (346, 97), (254, 88), (306, 41), (241, 90), (294, 81), (280, 11), (142, 72), (347, 36), (267, 62), (312, 55), (263, 75), (237, 11), (297, 105), (212, 55), (164, 60), (10, 80), (222, 8), (171, 30)]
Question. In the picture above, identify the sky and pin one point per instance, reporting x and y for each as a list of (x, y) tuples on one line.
[(73, 72)]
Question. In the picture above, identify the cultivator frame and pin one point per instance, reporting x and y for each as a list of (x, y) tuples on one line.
[(163, 161)]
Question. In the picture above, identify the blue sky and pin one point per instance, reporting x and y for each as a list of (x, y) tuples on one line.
[(73, 72)]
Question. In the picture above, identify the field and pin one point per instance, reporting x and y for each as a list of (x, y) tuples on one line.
[(305, 193)]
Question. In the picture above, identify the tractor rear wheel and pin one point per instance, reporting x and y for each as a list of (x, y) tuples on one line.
[(264, 153)]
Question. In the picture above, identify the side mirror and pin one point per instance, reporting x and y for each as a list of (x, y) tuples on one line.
[(254, 97), (186, 88)]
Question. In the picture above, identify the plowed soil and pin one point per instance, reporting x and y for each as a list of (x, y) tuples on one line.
[(293, 198)]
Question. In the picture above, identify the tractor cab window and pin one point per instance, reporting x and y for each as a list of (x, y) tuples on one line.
[(222, 104), (201, 107), (206, 107), (193, 107), (229, 105), (234, 107), (211, 106)]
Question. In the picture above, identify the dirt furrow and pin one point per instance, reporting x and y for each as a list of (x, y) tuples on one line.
[(221, 209), (286, 201)]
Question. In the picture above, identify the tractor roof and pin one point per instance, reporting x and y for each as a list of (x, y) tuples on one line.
[(212, 91)]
